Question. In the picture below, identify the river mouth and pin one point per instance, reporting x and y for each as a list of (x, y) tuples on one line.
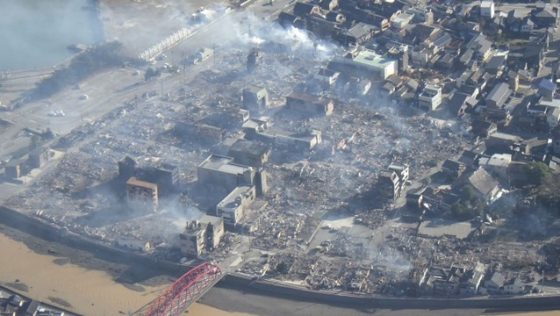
[(37, 34)]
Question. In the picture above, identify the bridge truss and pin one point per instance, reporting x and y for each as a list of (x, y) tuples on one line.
[(186, 290)]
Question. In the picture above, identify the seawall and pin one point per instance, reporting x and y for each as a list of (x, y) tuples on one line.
[(40, 229)]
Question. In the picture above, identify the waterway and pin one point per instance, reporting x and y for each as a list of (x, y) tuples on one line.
[(37, 33), (89, 292)]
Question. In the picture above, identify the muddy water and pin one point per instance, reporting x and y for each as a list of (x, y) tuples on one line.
[(36, 33), (89, 292)]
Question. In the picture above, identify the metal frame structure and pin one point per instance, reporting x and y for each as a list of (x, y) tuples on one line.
[(183, 292)]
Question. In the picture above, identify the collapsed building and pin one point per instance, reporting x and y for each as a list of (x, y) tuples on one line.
[(18, 168), (308, 104), (363, 142)]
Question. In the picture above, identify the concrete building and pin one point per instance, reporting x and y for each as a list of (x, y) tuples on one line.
[(222, 172), (366, 63), (255, 98), (391, 183), (487, 9), (430, 98), (232, 207), (381, 66), (201, 236), (309, 104), (401, 20), (388, 185), (258, 130), (20, 167), (199, 133), (37, 158), (14, 169), (250, 153), (142, 195), (164, 175)]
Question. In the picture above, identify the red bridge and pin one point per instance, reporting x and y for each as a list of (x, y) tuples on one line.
[(186, 290)]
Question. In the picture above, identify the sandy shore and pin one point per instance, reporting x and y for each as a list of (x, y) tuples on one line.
[(90, 292)]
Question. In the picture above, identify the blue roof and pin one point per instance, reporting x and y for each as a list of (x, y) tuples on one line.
[(547, 84)]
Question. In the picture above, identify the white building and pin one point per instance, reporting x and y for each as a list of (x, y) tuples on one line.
[(370, 60), (232, 207), (487, 9), (430, 98)]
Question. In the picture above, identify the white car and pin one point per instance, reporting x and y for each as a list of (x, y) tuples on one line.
[(57, 113)]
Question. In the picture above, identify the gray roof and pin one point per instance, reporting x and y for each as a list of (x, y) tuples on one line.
[(361, 29), (496, 62), (499, 94), (223, 164), (506, 137), (479, 43), (498, 279), (483, 182), (250, 147)]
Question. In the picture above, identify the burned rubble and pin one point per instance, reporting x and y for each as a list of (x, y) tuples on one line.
[(360, 147)]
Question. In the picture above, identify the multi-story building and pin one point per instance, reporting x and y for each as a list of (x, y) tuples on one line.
[(201, 236), (430, 98), (487, 9), (391, 183), (232, 207), (223, 172), (142, 195)]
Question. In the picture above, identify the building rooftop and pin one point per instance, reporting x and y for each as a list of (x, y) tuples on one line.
[(305, 97), (254, 89), (232, 198), (482, 181), (499, 94), (250, 147), (372, 59), (496, 160), (208, 219), (486, 4), (505, 136), (195, 227), (360, 29), (224, 164), (133, 181)]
